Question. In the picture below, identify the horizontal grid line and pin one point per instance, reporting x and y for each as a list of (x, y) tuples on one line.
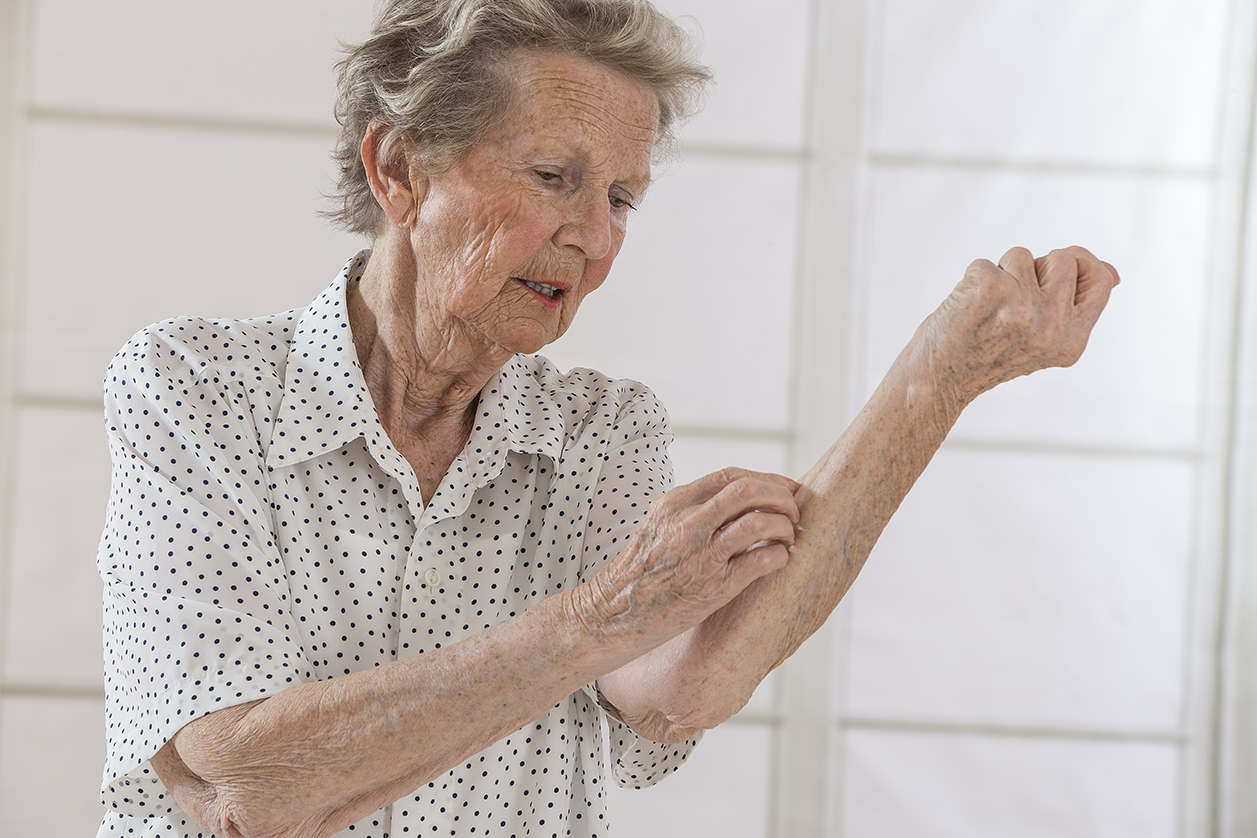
[(52, 401), (1075, 449), (746, 434), (924, 161), (786, 154), (754, 719), (1009, 731), (961, 443), (24, 690), (184, 122), (245, 125), (49, 401)]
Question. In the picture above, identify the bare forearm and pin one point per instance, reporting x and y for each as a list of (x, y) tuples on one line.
[(845, 501), (999, 323), (848, 497), (317, 757)]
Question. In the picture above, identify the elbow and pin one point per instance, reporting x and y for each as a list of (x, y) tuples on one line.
[(714, 700), (659, 728), (200, 799), (715, 710), (684, 723)]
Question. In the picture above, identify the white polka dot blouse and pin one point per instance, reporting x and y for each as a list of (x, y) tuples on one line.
[(262, 531)]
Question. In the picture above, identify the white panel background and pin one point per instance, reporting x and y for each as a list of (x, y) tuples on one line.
[(1015, 659)]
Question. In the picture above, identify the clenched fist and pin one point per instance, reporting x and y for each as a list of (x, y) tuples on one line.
[(1008, 320)]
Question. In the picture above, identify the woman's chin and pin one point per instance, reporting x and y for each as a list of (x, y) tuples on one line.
[(528, 338)]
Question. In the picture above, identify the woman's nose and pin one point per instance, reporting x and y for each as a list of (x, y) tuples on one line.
[(588, 227)]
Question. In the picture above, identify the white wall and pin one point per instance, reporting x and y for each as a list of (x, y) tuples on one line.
[(1019, 653), (1029, 652)]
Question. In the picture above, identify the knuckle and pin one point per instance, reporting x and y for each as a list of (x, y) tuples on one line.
[(979, 267), (740, 488)]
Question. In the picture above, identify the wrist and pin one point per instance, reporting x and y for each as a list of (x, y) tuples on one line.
[(595, 640), (936, 388)]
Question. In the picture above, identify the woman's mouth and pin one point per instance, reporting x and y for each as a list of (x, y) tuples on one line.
[(550, 292)]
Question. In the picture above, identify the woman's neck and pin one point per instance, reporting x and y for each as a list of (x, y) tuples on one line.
[(424, 375)]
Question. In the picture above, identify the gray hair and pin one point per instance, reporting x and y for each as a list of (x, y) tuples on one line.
[(437, 73)]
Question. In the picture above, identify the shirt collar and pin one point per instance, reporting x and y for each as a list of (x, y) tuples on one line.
[(522, 402), (326, 402)]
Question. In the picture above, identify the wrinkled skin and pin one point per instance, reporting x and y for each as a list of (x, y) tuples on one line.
[(726, 576), (1010, 320), (999, 322)]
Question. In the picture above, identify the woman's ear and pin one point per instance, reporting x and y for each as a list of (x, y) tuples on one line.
[(393, 181)]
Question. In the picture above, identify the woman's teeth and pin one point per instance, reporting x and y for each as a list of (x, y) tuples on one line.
[(540, 288)]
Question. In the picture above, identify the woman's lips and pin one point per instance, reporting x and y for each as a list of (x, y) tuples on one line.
[(550, 294)]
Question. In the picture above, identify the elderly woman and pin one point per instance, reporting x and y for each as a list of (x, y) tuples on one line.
[(372, 566)]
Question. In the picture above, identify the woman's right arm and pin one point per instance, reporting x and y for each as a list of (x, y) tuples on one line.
[(189, 555), (317, 757)]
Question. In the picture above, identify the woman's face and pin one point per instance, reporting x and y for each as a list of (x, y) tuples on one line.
[(511, 239)]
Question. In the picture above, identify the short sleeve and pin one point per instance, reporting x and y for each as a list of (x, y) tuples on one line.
[(195, 599), (637, 762), (636, 470)]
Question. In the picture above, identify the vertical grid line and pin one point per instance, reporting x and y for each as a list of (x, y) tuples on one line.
[(15, 16), (779, 753), (1210, 174), (872, 29), (822, 361), (1233, 767), (1200, 812)]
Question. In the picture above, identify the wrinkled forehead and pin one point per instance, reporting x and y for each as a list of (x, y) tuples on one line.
[(581, 81), (569, 98)]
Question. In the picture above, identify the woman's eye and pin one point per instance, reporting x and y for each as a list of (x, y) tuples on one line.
[(549, 177), (619, 203)]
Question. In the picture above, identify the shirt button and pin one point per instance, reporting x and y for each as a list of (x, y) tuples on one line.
[(431, 577)]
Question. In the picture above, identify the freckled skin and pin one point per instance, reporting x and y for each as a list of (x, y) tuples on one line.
[(541, 199), (546, 198), (439, 309), (705, 599)]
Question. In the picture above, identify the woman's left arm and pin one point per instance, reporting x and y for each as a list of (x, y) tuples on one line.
[(999, 323)]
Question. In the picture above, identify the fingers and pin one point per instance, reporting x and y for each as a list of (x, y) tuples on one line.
[(708, 486), (1092, 271), (732, 514), (1117, 279), (1057, 275), (702, 544), (752, 529), (746, 567), (1083, 279), (1020, 263), (1096, 280), (724, 495)]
